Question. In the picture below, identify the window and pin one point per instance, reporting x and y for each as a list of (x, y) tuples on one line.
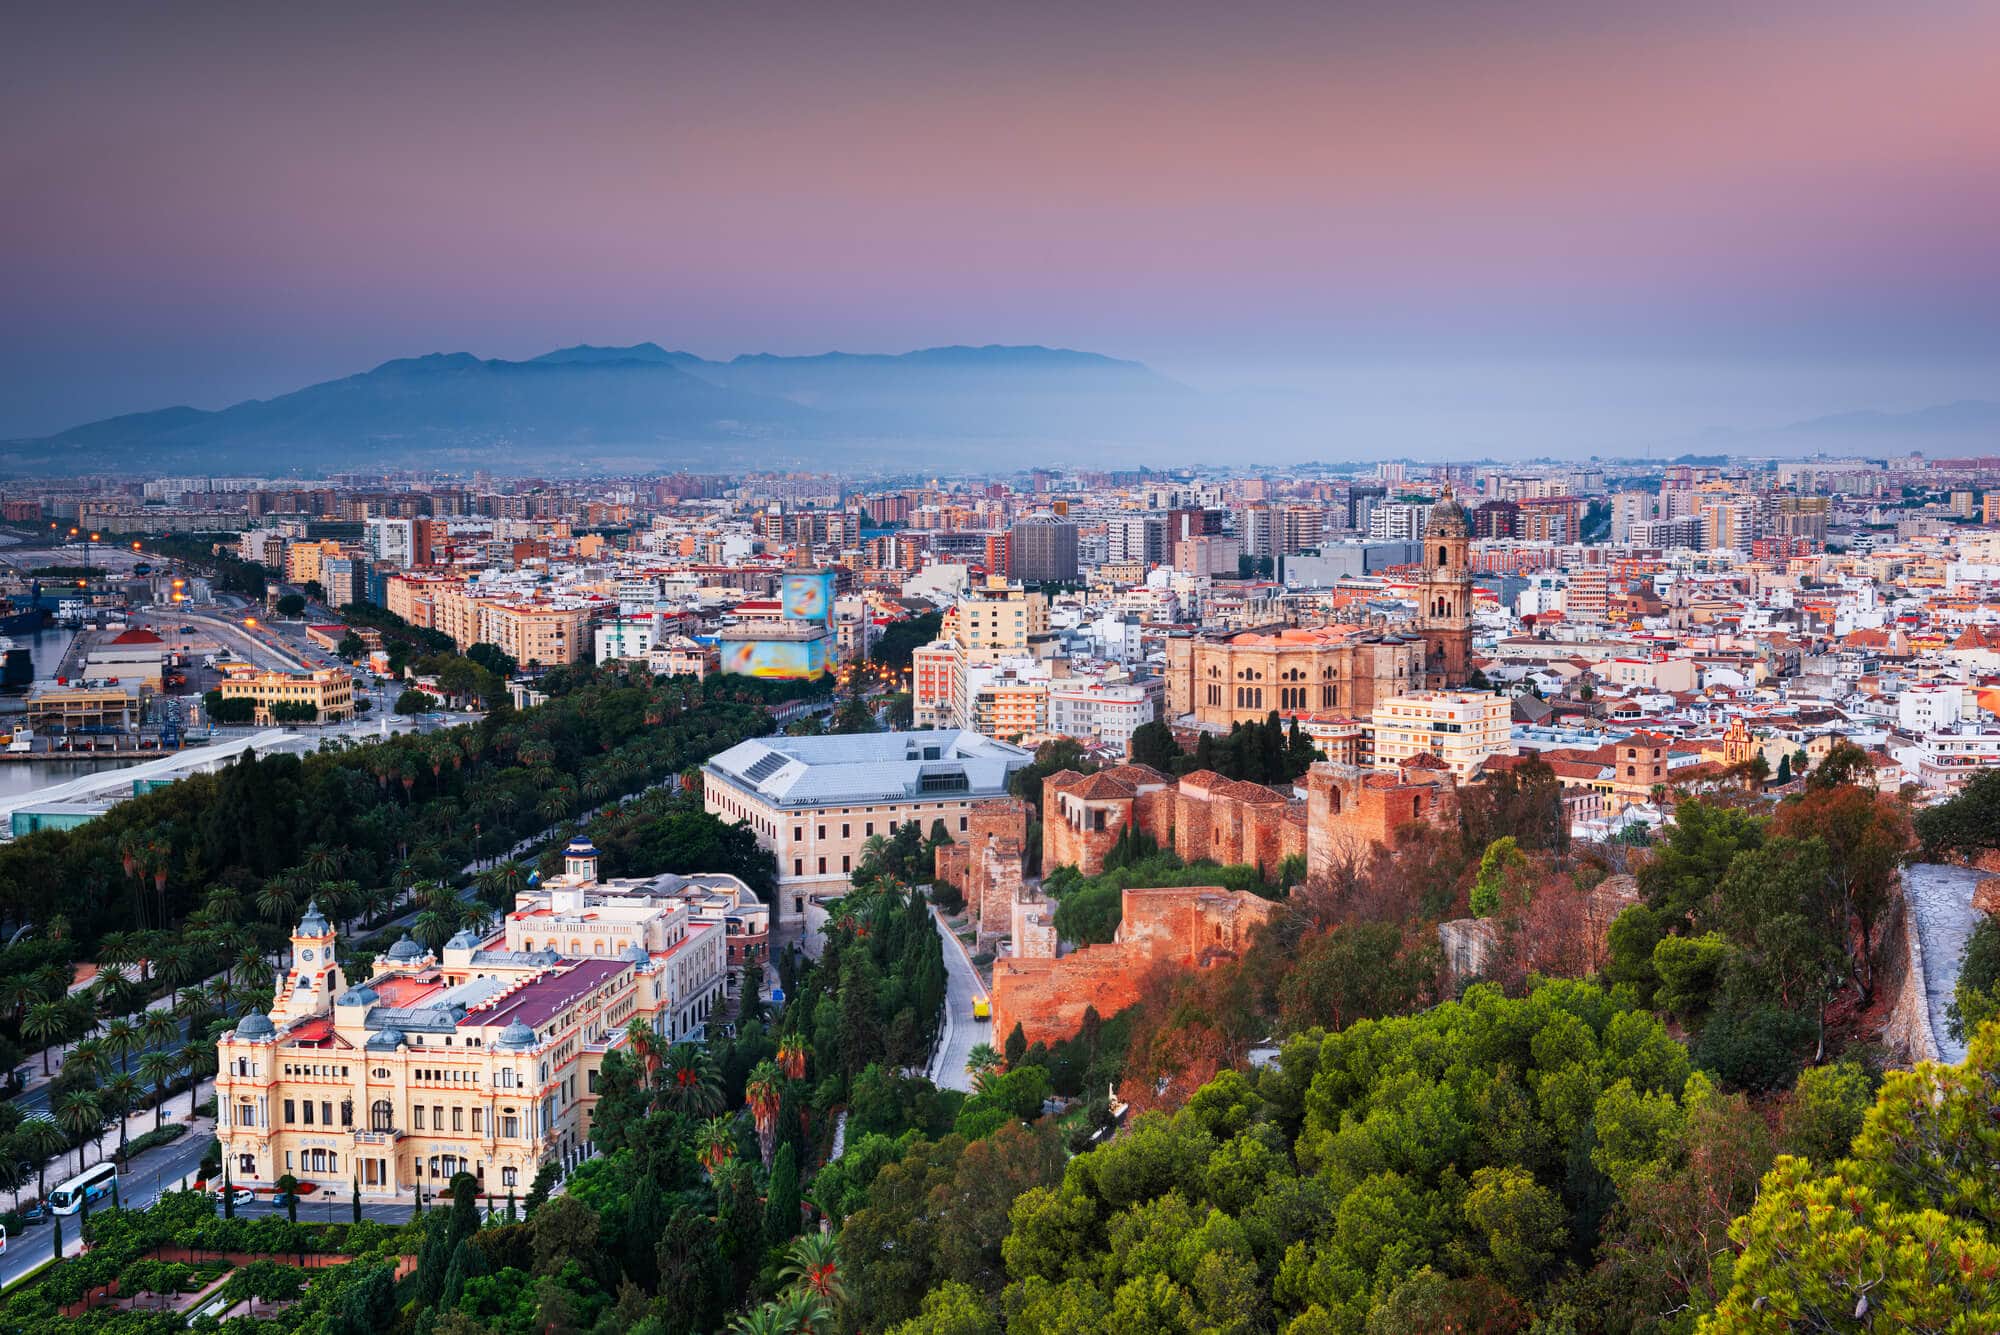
[(478, 1120), (291, 1113), (510, 1125), (845, 831), (458, 1119), (510, 1177), (417, 1117), (381, 1116), (847, 862), (822, 866)]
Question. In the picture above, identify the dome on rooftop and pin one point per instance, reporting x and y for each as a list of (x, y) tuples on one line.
[(362, 995), (638, 954), (386, 1039), (1448, 519), (256, 1025), (406, 949), (314, 923), (463, 939), (516, 1035)]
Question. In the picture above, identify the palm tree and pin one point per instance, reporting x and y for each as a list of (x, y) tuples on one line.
[(688, 1085), (645, 1045), (762, 1094), (121, 1039), (715, 1142), (178, 968), (513, 878), (120, 1093), (115, 991), (47, 1023), (803, 1312), (277, 902), (321, 863), (43, 1140), (159, 1029), (81, 1116), (983, 1061), (88, 1059), (792, 1057), (18, 992), (251, 968), (158, 1070), (224, 902), (812, 1265), (765, 1320)]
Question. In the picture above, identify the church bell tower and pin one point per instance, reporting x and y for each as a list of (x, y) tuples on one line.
[(1445, 618)]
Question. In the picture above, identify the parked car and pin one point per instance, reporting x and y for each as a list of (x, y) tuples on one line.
[(242, 1195)]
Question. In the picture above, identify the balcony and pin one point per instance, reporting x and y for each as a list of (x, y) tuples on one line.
[(384, 1138)]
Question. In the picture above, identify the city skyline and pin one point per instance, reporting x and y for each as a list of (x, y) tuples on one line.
[(1565, 230)]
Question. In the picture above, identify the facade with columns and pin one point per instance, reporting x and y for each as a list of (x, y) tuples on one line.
[(482, 1057)]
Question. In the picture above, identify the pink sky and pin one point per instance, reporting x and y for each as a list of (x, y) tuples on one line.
[(231, 200)]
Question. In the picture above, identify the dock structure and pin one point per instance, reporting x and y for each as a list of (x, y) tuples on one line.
[(77, 800)]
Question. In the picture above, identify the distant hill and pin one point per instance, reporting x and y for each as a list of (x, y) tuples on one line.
[(1969, 419), (644, 406)]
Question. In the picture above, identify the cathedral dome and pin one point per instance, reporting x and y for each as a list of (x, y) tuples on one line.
[(1448, 519)]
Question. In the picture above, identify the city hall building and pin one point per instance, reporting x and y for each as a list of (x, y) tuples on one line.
[(482, 1058)]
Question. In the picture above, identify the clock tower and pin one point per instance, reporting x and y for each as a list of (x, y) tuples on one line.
[(313, 980)]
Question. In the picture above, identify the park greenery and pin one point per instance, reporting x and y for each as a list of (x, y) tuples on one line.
[(186, 895), (1681, 1135)]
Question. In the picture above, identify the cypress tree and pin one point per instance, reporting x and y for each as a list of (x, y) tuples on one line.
[(781, 1210), (468, 1261)]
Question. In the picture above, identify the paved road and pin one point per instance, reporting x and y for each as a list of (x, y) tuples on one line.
[(961, 1032), (1940, 899), (37, 1099), (145, 1178)]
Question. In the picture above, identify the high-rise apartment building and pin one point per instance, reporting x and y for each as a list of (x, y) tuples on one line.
[(1043, 549)]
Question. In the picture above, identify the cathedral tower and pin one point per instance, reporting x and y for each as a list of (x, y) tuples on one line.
[(1445, 617)]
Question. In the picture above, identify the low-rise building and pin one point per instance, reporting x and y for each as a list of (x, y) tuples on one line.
[(328, 691), (1461, 728), (815, 802)]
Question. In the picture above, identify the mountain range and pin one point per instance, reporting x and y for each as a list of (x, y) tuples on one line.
[(643, 407), (952, 409)]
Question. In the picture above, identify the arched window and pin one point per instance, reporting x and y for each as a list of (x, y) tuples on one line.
[(1442, 558), (382, 1116)]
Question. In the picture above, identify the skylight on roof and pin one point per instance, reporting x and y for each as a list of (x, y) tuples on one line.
[(764, 767)]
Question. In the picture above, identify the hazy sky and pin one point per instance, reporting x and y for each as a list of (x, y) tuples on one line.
[(1452, 223)]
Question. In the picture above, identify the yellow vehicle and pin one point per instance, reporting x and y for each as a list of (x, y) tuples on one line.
[(982, 1009)]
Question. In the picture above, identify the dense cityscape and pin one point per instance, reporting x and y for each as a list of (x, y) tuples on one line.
[(628, 903), (1288, 668)]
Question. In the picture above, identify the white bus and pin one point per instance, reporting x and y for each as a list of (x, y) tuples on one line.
[(68, 1197)]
